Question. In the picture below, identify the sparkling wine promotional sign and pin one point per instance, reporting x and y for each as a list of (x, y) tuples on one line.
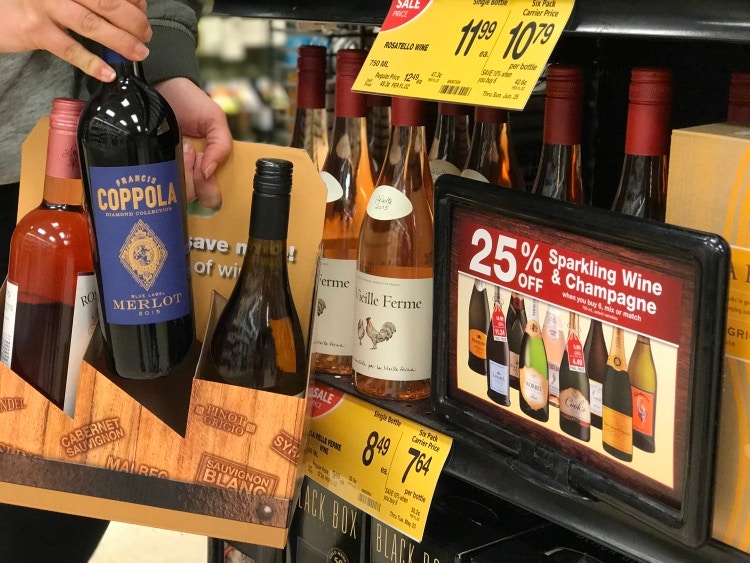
[(635, 408)]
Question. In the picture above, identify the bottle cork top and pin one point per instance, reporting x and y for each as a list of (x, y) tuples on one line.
[(273, 176), (65, 114), (650, 86), (564, 81), (349, 61), (407, 111)]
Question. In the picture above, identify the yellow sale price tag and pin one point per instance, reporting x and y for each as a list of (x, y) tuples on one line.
[(383, 463), (481, 52)]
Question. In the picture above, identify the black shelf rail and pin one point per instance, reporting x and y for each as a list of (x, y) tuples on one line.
[(716, 20), (482, 464)]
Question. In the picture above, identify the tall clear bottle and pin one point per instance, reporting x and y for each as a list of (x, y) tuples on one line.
[(347, 172), (257, 342), (532, 369), (642, 373), (393, 308), (450, 143), (575, 411), (642, 190), (738, 107), (310, 131), (50, 298), (491, 156), (617, 404), (559, 173), (131, 158), (595, 356)]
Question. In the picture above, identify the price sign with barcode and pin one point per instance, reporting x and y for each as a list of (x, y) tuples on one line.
[(481, 52), (374, 459)]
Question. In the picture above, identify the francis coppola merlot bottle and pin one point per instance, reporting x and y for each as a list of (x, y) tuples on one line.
[(131, 160)]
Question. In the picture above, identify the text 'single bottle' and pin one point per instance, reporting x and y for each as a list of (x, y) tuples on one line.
[(559, 172), (257, 342), (310, 130), (131, 159), (347, 172), (642, 190), (491, 156), (50, 300), (393, 308)]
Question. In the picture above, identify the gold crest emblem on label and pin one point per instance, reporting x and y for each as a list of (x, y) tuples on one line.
[(143, 255)]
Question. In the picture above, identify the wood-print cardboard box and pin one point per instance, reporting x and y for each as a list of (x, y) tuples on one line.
[(709, 190), (177, 452)]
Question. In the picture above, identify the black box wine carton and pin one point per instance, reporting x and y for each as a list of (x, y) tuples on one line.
[(175, 452), (462, 520), (709, 190)]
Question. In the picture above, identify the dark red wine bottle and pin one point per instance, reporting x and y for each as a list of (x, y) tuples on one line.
[(130, 149)]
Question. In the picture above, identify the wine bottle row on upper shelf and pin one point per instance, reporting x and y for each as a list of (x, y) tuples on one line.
[(371, 316)]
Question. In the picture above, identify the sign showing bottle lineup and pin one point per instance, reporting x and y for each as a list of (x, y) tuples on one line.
[(583, 344)]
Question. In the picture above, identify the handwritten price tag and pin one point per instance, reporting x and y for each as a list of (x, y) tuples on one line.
[(483, 52), (383, 463)]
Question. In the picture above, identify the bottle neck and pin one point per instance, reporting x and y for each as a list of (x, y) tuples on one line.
[(562, 121), (347, 102), (269, 218), (311, 90), (405, 165), (647, 132), (62, 182), (122, 66)]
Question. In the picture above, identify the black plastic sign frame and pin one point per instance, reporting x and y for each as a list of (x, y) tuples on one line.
[(652, 283)]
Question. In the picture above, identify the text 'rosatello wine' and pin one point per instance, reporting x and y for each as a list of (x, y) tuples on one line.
[(479, 319), (347, 173), (51, 297), (393, 307), (532, 369), (617, 402), (575, 412), (131, 159), (498, 354), (257, 342)]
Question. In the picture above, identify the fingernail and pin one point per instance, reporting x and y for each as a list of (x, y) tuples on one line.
[(208, 170), (141, 51), (186, 145), (107, 74)]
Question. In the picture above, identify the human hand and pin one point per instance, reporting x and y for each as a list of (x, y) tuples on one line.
[(200, 117), (121, 25)]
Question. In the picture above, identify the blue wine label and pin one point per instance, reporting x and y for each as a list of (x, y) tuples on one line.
[(137, 214)]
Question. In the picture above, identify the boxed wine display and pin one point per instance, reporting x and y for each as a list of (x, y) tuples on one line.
[(585, 344), (709, 177), (176, 452)]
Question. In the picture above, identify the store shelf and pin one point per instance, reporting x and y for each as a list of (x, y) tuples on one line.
[(721, 20), (479, 462)]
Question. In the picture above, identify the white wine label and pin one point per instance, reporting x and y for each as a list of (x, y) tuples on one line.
[(595, 390), (440, 167), (534, 387), (9, 322), (85, 317), (393, 328), (387, 203), (473, 175), (499, 377), (334, 190), (574, 405), (333, 312)]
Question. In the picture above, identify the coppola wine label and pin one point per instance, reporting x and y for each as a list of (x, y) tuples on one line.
[(142, 265)]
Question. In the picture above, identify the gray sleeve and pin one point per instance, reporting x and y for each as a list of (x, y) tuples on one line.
[(174, 41)]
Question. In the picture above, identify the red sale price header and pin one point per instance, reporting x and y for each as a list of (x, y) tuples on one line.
[(635, 298)]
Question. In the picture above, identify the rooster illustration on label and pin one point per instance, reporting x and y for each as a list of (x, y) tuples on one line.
[(366, 328)]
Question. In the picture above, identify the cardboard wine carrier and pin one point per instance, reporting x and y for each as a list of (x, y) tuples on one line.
[(709, 190), (176, 452)]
